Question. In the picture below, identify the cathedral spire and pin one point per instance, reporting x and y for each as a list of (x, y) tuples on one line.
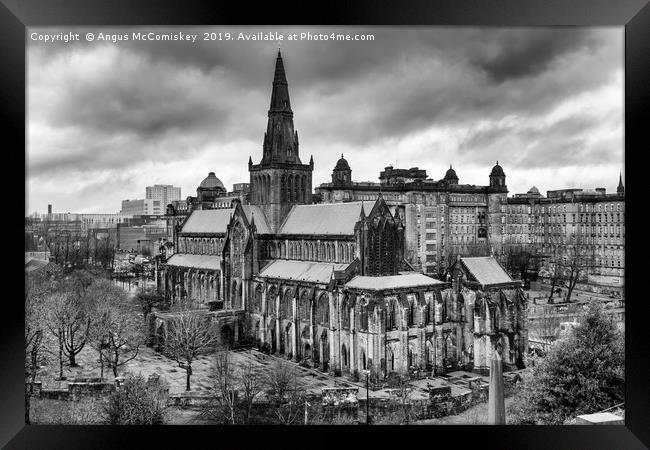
[(280, 94), (281, 139), (620, 189)]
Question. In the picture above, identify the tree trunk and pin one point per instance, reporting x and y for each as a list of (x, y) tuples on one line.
[(553, 284), (101, 366), (28, 403), (188, 370), (73, 361), (60, 359)]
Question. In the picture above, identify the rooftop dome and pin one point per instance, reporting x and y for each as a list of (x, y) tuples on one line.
[(342, 164), (497, 171), (211, 182), (533, 190), (451, 173)]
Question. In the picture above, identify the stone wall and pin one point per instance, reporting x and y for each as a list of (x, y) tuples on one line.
[(77, 389), (343, 397)]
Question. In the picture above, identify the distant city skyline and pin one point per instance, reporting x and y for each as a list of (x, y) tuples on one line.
[(105, 120)]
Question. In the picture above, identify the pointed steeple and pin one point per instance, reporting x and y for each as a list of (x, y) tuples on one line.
[(280, 140), (280, 94), (620, 189)]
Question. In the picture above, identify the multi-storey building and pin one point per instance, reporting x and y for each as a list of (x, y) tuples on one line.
[(164, 193), (442, 218), (567, 221), (143, 207), (328, 283)]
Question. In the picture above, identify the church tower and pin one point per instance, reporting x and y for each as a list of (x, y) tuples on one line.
[(280, 180)]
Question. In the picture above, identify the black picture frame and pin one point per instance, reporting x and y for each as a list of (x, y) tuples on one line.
[(634, 15)]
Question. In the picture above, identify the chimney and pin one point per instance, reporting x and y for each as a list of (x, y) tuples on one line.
[(49, 209)]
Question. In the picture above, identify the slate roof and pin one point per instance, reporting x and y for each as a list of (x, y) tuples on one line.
[(215, 221), (314, 272), (32, 264), (486, 270), (392, 282), (210, 262), (329, 218), (208, 221), (260, 219)]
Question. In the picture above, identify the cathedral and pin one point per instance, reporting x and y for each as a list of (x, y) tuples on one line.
[(328, 284)]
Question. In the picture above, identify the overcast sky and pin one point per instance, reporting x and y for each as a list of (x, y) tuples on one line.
[(107, 119)]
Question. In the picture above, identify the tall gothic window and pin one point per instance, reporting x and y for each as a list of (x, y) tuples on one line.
[(257, 306), (288, 192), (237, 245), (285, 305), (323, 310), (363, 322), (345, 313), (391, 322), (411, 314), (303, 311)]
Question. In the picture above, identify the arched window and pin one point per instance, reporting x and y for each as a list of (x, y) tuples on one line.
[(345, 313), (304, 309), (290, 188), (411, 314), (257, 305), (392, 316), (323, 310), (363, 319), (271, 297), (285, 305), (236, 294)]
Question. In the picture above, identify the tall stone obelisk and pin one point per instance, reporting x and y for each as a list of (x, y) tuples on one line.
[(496, 402)]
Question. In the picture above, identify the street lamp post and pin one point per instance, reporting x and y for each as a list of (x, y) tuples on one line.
[(367, 372)]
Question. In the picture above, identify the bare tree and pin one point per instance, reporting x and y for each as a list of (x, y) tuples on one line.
[(577, 263), (37, 287), (234, 390), (286, 393), (149, 299), (251, 386), (189, 334), (55, 319), (116, 333), (223, 376)]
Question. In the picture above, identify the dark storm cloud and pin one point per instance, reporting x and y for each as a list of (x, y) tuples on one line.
[(520, 53), (546, 145)]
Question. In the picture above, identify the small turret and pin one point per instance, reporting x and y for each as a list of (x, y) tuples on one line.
[(450, 176), (498, 178), (342, 174)]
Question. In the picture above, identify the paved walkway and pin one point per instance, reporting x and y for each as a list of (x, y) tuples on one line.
[(314, 380)]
